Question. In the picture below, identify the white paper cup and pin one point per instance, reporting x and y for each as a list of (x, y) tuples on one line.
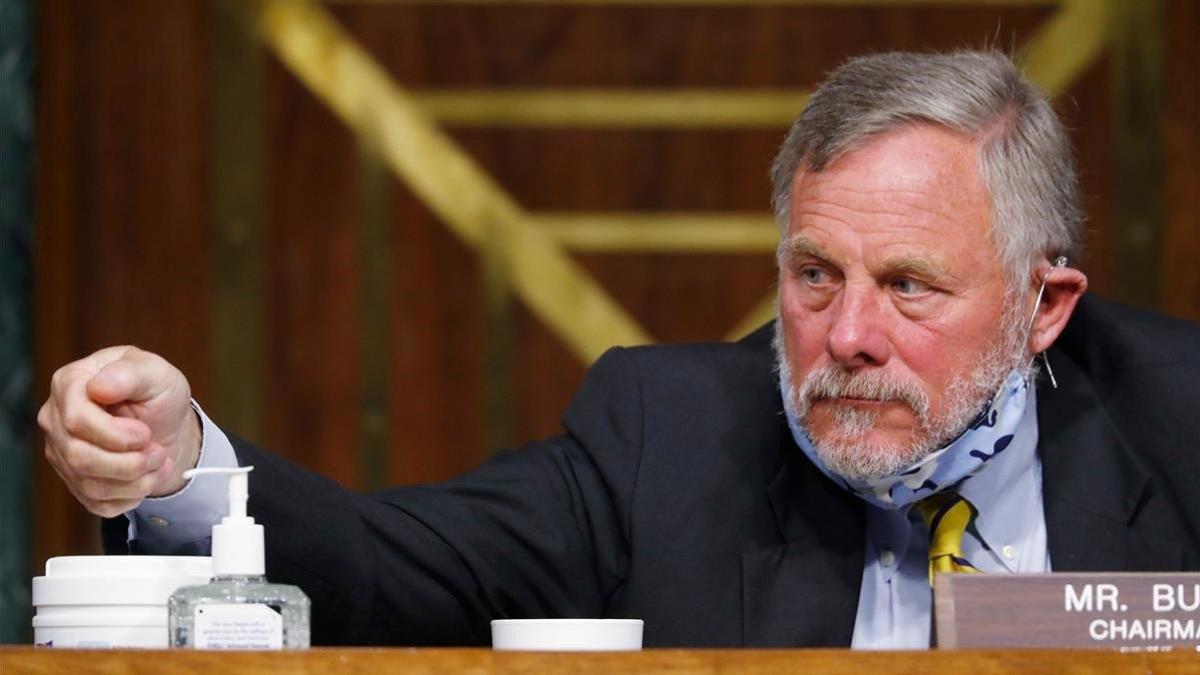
[(567, 635)]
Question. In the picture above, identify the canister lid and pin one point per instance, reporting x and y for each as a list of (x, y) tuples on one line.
[(126, 566), (117, 580)]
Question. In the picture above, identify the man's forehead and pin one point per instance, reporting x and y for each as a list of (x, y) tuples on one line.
[(916, 192), (910, 162), (929, 261)]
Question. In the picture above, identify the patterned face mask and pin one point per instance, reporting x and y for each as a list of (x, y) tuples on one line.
[(984, 439)]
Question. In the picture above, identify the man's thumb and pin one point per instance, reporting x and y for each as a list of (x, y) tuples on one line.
[(121, 381)]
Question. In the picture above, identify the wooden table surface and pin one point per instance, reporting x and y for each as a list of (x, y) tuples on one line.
[(14, 660)]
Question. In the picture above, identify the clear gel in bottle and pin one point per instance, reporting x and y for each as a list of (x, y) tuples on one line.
[(238, 609)]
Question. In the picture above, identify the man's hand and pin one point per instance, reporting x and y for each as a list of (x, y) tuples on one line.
[(119, 427)]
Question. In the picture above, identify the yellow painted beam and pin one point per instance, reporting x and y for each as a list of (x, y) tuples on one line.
[(1067, 43), (662, 232), (763, 312), (310, 42), (619, 108)]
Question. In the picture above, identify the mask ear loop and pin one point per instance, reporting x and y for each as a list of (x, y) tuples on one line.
[(1060, 261)]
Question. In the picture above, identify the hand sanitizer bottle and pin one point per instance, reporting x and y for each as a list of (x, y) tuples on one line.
[(238, 609)]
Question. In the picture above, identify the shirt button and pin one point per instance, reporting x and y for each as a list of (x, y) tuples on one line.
[(159, 521), (1009, 552), (887, 558)]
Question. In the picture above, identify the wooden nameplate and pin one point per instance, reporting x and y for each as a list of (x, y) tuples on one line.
[(1126, 611)]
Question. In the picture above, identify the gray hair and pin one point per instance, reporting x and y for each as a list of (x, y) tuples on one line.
[(1025, 156)]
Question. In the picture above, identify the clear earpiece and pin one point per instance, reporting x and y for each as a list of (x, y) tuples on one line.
[(1060, 261)]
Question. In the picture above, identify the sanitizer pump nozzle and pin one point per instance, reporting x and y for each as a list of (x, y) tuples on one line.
[(237, 541)]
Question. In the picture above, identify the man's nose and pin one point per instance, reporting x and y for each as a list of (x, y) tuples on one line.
[(857, 334)]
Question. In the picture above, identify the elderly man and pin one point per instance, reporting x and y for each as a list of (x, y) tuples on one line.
[(772, 492)]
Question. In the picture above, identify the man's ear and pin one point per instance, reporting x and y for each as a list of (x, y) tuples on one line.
[(1064, 286)]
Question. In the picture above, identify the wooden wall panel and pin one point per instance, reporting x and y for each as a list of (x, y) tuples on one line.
[(1087, 112), (311, 292), (120, 240), (436, 397), (1181, 135), (123, 233), (625, 45)]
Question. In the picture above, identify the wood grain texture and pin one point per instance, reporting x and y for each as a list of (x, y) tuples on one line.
[(1181, 131), (26, 661), (121, 248), (235, 195), (313, 351), (1087, 112), (1136, 55)]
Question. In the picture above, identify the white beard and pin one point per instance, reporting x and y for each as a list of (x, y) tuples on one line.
[(845, 449)]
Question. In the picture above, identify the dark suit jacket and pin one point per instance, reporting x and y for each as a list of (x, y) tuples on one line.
[(676, 495)]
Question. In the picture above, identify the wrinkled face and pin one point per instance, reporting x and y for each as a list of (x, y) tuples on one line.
[(896, 327)]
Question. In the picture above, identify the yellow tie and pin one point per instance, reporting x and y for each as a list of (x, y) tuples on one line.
[(947, 515)]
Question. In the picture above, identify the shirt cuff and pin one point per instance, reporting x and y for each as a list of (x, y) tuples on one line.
[(181, 523)]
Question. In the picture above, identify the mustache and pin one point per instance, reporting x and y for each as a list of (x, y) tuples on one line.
[(830, 381)]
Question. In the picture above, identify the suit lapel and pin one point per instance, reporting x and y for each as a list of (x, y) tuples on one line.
[(805, 591), (1093, 486)]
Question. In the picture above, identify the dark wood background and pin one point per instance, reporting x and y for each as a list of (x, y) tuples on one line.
[(134, 99)]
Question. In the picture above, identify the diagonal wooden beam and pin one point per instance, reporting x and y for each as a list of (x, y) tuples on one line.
[(763, 311), (1066, 44), (310, 42)]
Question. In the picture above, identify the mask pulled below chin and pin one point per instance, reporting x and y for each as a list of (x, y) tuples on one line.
[(984, 439)]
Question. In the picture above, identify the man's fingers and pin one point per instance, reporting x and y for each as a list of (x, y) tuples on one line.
[(113, 425), (109, 496), (98, 507), (95, 462), (84, 368), (97, 490), (83, 419), (112, 508), (136, 376)]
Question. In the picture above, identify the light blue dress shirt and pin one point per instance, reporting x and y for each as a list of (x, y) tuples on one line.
[(894, 605)]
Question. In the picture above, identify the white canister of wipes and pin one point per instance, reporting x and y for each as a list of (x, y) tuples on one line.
[(96, 602)]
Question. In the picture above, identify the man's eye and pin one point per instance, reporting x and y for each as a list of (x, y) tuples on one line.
[(907, 286), (813, 275)]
